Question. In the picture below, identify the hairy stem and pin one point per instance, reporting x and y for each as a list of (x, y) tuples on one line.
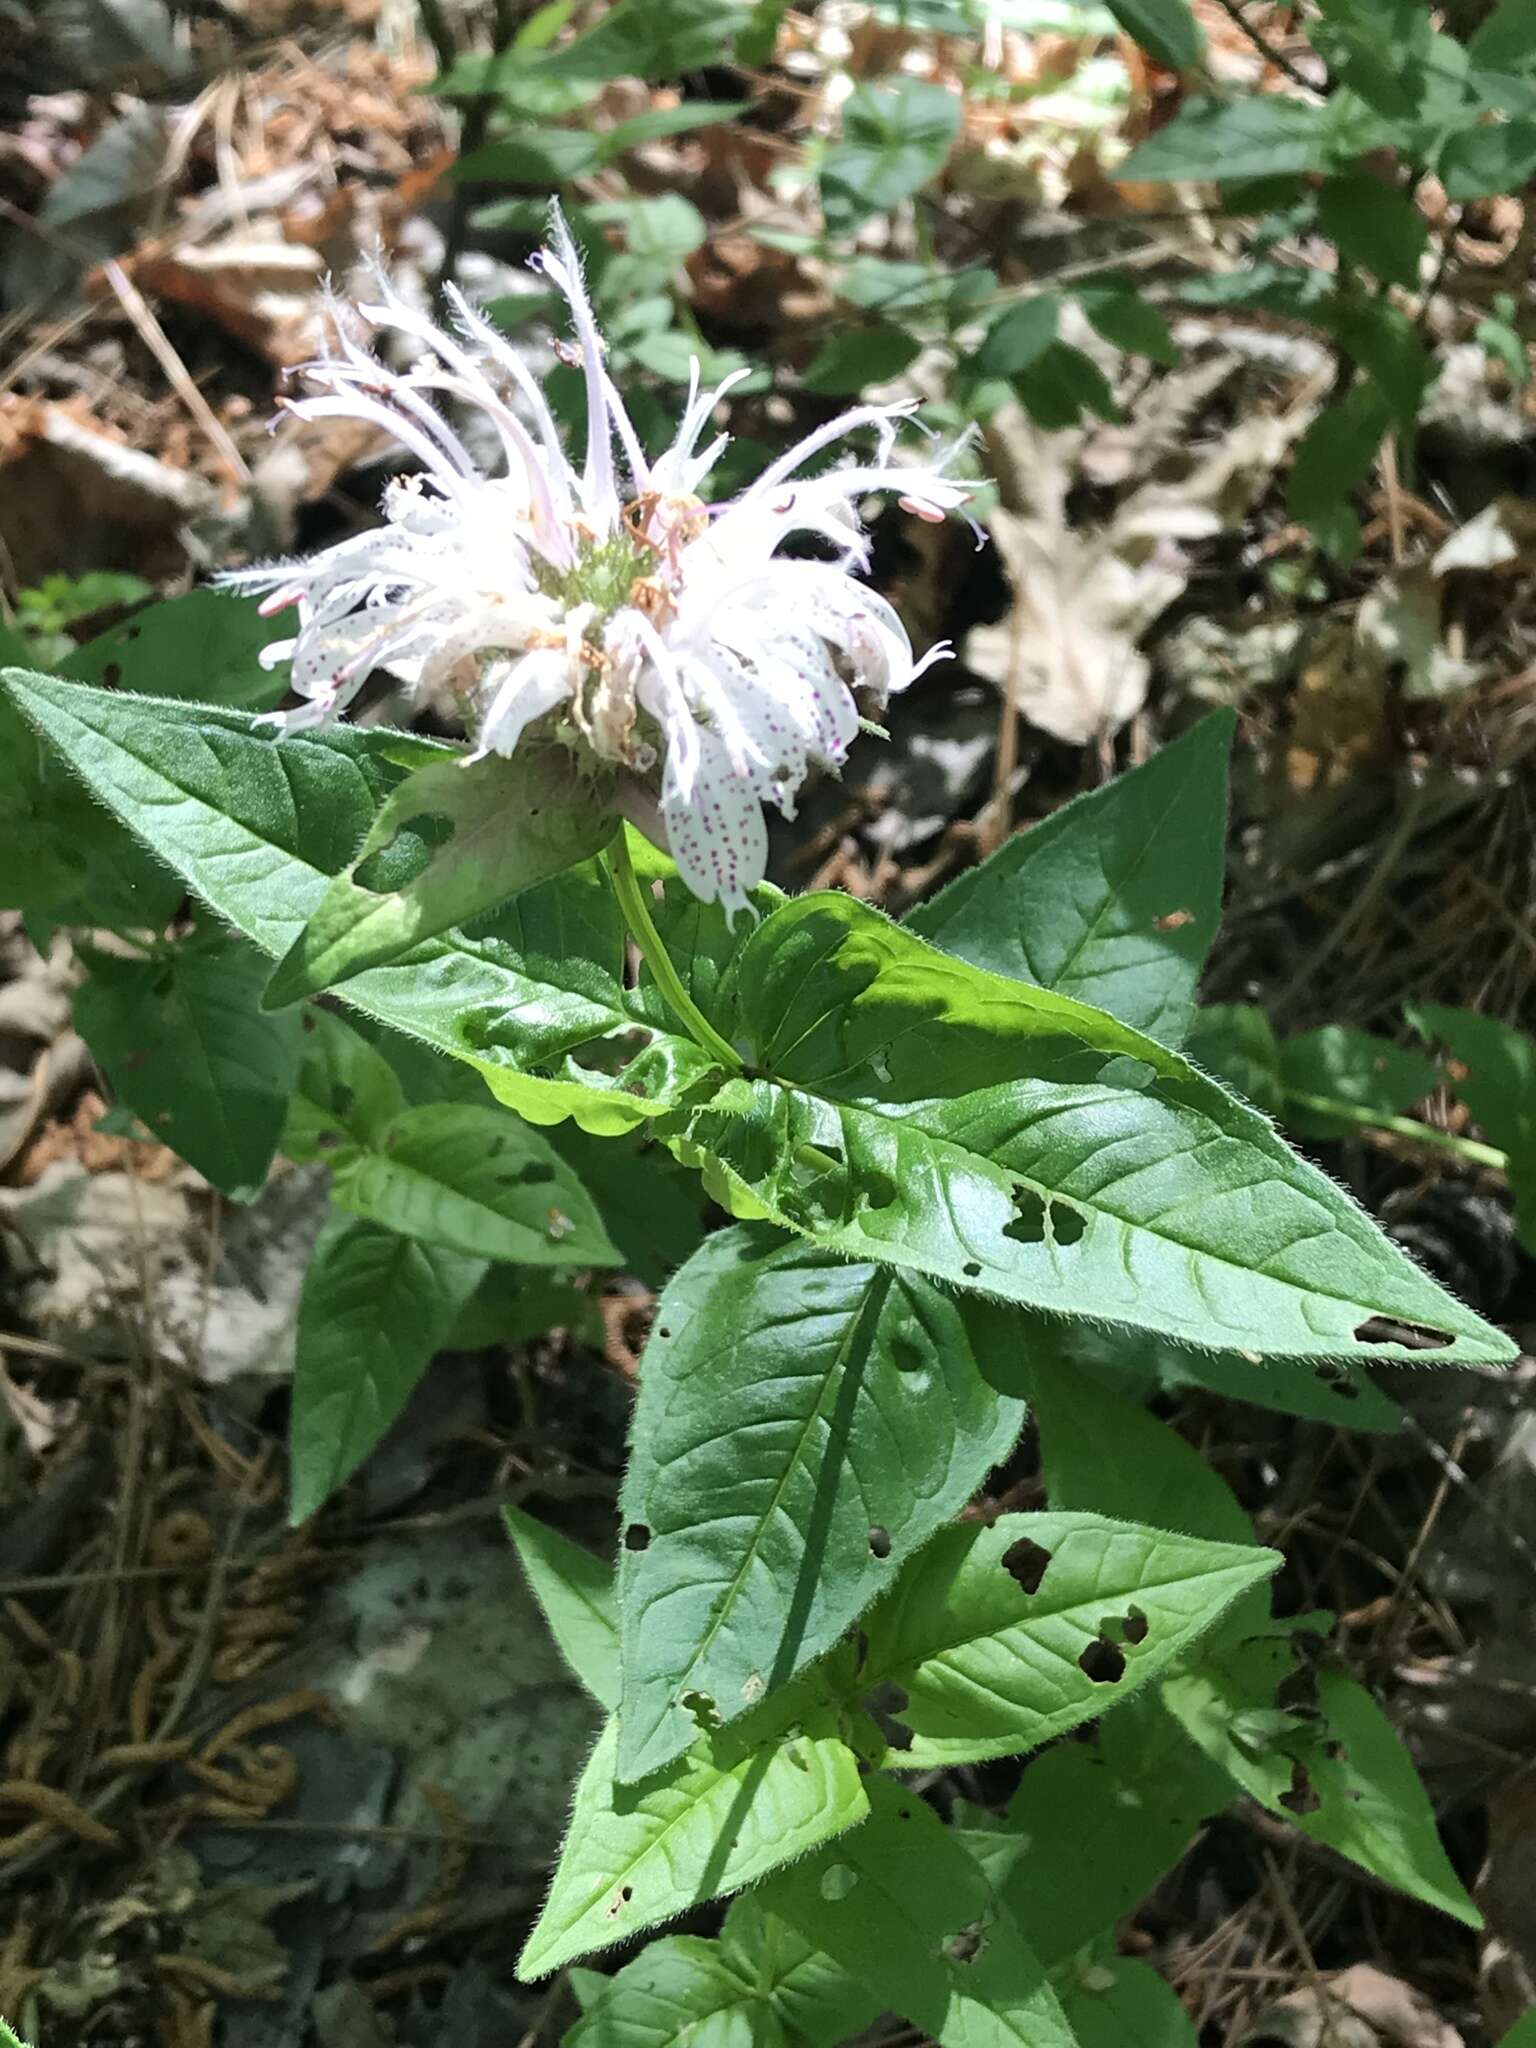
[(637, 915)]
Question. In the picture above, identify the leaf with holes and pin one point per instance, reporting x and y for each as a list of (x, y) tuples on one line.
[(346, 1092), (257, 826), (900, 1904), (574, 1589), (1115, 898), (474, 1180), (804, 1424), (1337, 1770), (759, 1979), (374, 1310), (742, 1801), (455, 839), (184, 1042), (907, 1108), (206, 645), (1002, 1637)]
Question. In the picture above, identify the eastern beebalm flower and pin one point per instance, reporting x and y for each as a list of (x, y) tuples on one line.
[(615, 610)]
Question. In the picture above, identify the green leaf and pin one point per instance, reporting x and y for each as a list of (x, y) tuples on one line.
[(661, 121), (1262, 135), (1126, 319), (896, 138), (1497, 1082), (638, 39), (1129, 1804), (1358, 1069), (64, 858), (1479, 163), (1002, 1637), (1114, 898), (258, 825), (804, 1424), (1165, 29), (544, 156), (760, 1983), (742, 1801), (1522, 2034), (204, 646), (908, 1108), (1344, 1759), (575, 1592), (847, 363), (1335, 455), (185, 1044), (373, 1311), (1062, 386), (899, 1904), (475, 1180), (659, 236), (345, 1093), (1507, 39), (1020, 338), (1116, 2002), (1237, 1042), (454, 839), (1375, 225), (1098, 1450)]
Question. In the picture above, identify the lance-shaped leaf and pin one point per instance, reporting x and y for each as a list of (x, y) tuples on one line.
[(455, 839), (1115, 898), (258, 825), (901, 1905), (575, 1591), (804, 1424), (1004, 1636), (1338, 1772), (185, 1044), (909, 1108), (742, 1801), (374, 1310), (474, 1180)]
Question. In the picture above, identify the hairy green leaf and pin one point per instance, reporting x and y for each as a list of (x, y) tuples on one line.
[(185, 1043), (899, 1904), (257, 826), (575, 1591), (742, 1801), (1001, 1637), (1339, 1773), (346, 1092), (374, 1310), (478, 1181), (908, 1108), (804, 1424), (1115, 898)]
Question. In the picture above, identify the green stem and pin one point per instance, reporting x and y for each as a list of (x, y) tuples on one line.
[(637, 915), (1403, 1127)]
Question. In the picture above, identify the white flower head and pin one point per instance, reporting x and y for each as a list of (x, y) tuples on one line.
[(608, 606)]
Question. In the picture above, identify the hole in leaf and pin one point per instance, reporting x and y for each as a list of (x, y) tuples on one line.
[(908, 1356), (1302, 1796), (1103, 1662), (1025, 1563), (1135, 1625), (1173, 920), (1028, 1226), (637, 1536), (1067, 1223), (702, 1707), (968, 1944), (971, 1270), (879, 1542), (532, 1175), (1337, 1380), (1411, 1336), (877, 1191), (837, 1881), (663, 1332)]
